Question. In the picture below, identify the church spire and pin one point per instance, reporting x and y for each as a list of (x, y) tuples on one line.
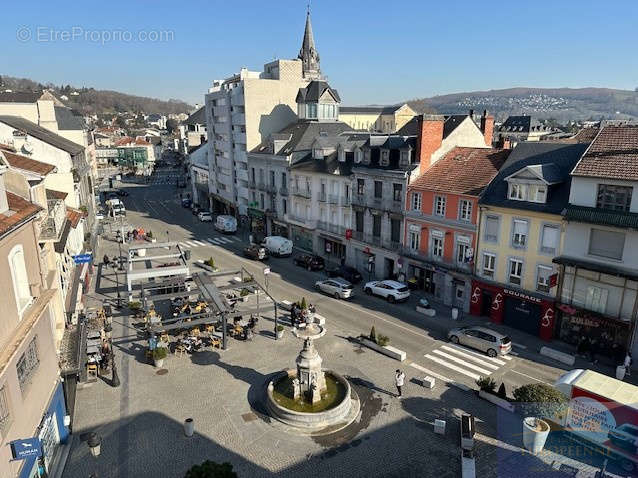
[(308, 53)]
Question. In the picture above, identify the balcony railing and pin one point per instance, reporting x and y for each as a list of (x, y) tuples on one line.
[(271, 188), (345, 201), (303, 193), (359, 200), (377, 203), (309, 223), (322, 196), (252, 184), (333, 199), (333, 228), (420, 255), (51, 227), (357, 235), (372, 239), (261, 186), (283, 191)]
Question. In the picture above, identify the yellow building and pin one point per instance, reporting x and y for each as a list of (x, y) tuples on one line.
[(381, 119), (520, 232)]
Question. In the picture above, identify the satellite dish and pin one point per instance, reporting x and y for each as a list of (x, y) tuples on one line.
[(27, 147)]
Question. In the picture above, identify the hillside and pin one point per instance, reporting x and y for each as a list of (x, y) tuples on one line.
[(559, 103), (90, 100)]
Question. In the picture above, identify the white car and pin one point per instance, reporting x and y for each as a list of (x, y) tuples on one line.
[(390, 290), (337, 287), (205, 216)]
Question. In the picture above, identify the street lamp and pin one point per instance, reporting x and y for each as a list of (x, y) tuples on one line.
[(167, 237), (94, 442)]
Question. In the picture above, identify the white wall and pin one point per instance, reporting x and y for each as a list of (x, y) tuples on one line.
[(584, 191), (576, 244), (467, 135)]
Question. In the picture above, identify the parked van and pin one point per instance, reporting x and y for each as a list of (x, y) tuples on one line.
[(226, 224), (278, 246)]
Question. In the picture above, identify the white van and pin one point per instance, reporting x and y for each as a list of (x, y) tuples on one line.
[(278, 246), (226, 224)]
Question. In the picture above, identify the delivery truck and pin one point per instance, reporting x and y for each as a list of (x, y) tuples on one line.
[(602, 414)]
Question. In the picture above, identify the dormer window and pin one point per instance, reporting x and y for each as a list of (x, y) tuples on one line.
[(405, 158), (358, 156), (527, 192), (317, 153), (311, 111), (385, 158), (366, 157)]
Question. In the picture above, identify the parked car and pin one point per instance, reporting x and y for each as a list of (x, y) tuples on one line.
[(195, 209), (205, 216), (186, 202), (481, 338), (256, 252), (278, 246), (122, 193), (338, 287), (390, 290), (625, 436), (99, 215), (349, 273), (310, 262), (226, 224)]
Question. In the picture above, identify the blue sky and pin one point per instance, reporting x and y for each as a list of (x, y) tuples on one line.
[(372, 51)]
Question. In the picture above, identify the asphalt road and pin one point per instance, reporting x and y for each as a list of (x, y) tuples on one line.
[(157, 207)]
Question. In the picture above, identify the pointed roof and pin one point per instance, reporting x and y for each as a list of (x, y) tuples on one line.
[(308, 53)]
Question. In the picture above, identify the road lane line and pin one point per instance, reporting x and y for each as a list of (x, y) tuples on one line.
[(471, 357), (199, 243), (225, 240), (461, 361), (429, 372), (529, 376), (453, 367), (481, 356)]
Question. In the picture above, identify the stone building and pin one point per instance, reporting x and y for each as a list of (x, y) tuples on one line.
[(377, 119)]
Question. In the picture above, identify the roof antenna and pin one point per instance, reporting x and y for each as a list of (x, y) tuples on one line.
[(308, 8)]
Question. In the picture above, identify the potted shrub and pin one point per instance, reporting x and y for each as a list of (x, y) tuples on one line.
[(159, 354), (108, 330), (383, 340), (486, 384), (538, 401), (134, 306), (373, 334), (280, 331), (210, 263)]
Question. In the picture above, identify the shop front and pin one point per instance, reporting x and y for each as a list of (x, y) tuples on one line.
[(279, 228), (520, 310), (302, 238), (333, 250), (257, 224)]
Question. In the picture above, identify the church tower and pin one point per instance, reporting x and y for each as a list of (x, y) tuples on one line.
[(308, 53)]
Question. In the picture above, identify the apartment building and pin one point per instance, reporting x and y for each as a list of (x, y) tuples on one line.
[(598, 281), (442, 222), (522, 128), (377, 119), (520, 232), (31, 398), (192, 131)]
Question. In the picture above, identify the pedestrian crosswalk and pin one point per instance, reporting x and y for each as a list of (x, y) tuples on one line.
[(465, 361), (210, 241)]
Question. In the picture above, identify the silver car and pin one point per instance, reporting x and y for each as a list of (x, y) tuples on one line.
[(481, 338), (337, 287)]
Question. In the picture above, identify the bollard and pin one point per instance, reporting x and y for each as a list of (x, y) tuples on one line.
[(189, 427)]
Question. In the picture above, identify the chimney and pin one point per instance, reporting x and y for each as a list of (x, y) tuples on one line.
[(487, 127), (504, 143), (430, 137)]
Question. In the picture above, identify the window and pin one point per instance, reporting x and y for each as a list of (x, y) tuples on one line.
[(311, 108), (462, 253), (542, 278), (376, 226), (537, 193), (549, 239), (596, 299), (437, 247), (378, 189), (416, 201), (361, 186), (489, 261), (415, 239), (528, 192), (284, 180), (439, 205), (28, 364), (252, 170), (397, 192), (5, 411), (465, 210), (20, 279), (518, 191), (395, 230), (272, 178), (519, 233), (385, 157), (405, 158), (617, 198), (284, 204), (261, 201), (273, 207), (359, 221), (516, 271), (608, 244), (491, 228)]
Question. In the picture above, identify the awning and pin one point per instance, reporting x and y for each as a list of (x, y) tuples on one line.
[(596, 266)]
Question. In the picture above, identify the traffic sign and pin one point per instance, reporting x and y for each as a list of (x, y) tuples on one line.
[(82, 258)]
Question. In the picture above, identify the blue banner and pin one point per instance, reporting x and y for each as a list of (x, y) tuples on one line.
[(82, 258), (25, 448)]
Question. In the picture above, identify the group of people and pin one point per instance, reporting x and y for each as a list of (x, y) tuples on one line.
[(302, 316)]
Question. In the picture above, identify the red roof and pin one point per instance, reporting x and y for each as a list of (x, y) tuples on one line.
[(126, 140), (24, 163), (19, 210), (464, 171), (613, 154), (74, 216)]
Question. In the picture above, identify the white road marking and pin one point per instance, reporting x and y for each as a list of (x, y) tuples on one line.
[(215, 242), (429, 372), (199, 243), (192, 244), (481, 356), (470, 357), (236, 239), (463, 362), (529, 376), (453, 367), (225, 240)]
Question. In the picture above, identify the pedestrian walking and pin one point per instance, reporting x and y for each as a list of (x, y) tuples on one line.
[(627, 364), (399, 378), (105, 260)]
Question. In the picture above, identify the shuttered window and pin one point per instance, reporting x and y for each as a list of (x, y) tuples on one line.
[(549, 240), (491, 228), (608, 244)]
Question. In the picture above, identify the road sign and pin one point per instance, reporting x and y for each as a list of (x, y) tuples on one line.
[(25, 448), (82, 258)]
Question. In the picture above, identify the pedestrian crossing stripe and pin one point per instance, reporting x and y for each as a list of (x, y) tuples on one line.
[(482, 356), (199, 243), (463, 362), (212, 241), (225, 240), (452, 366), (429, 372), (480, 361)]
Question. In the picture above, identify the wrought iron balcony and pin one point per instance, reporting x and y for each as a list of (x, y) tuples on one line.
[(303, 193), (333, 199), (333, 228), (283, 191), (52, 225), (322, 196)]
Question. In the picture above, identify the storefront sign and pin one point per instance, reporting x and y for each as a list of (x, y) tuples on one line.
[(82, 258), (522, 295), (25, 448)]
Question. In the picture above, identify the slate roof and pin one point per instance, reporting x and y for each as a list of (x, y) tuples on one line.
[(385, 110), (20, 209), (197, 117), (603, 217), (394, 144), (303, 135), (562, 156), (613, 154), (521, 124), (24, 163), (42, 134), (462, 171), (328, 165), (19, 97), (314, 91), (53, 194), (411, 128), (67, 119)]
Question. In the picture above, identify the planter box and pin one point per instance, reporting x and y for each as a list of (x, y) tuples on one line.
[(428, 382), (496, 400), (206, 267), (556, 355), (429, 312), (388, 350), (286, 305)]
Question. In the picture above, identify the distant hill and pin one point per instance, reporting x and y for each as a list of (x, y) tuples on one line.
[(559, 103), (90, 100)]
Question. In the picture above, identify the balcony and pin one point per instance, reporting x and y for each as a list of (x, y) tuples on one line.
[(302, 193), (53, 224), (252, 184), (283, 191), (332, 228), (333, 199), (423, 256), (243, 192), (242, 175), (322, 196), (239, 137), (395, 205), (239, 118), (372, 239), (309, 223), (357, 235), (359, 200), (345, 202), (271, 188), (261, 185)]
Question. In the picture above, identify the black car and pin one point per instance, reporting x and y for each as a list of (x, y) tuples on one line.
[(256, 252), (122, 193), (348, 273), (312, 263)]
